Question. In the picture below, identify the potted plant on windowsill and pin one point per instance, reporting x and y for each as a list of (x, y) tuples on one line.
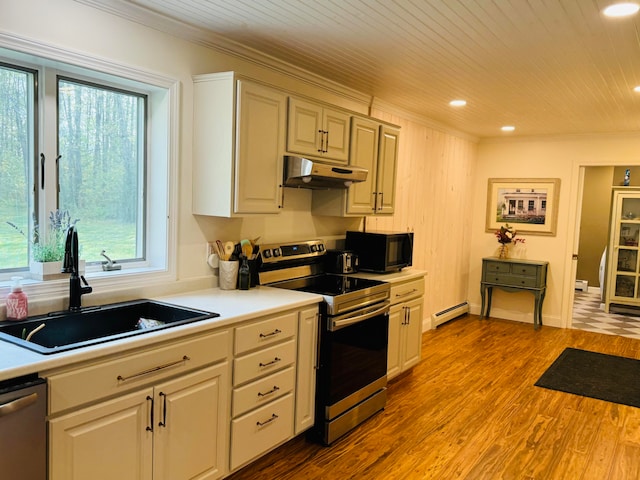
[(47, 249)]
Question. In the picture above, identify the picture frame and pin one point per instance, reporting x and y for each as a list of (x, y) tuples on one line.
[(529, 205)]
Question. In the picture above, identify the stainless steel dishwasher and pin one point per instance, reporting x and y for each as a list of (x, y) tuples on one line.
[(23, 431)]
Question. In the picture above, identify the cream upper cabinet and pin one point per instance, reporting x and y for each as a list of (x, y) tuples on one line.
[(238, 146), (374, 146), (364, 153), (387, 170), (318, 130)]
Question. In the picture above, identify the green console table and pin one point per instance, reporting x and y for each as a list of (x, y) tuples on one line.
[(514, 275)]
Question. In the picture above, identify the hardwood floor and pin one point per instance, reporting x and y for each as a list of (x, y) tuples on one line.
[(470, 410)]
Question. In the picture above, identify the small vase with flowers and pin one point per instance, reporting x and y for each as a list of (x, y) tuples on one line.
[(507, 235)]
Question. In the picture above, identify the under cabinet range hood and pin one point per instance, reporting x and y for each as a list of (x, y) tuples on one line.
[(306, 173)]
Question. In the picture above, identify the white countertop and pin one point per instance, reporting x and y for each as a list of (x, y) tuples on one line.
[(232, 305), (393, 277)]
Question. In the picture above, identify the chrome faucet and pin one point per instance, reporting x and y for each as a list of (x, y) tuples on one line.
[(70, 265)]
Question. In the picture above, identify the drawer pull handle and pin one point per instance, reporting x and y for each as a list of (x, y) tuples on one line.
[(121, 378), (406, 294), (275, 360), (262, 424), (275, 332), (273, 390)]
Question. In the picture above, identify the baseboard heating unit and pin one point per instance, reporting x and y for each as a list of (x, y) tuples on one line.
[(449, 314)]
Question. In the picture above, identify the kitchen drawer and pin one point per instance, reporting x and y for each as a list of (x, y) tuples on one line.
[(265, 332), (261, 430), (499, 267), (524, 269), (121, 374), (263, 362), (407, 290), (515, 280), (263, 391)]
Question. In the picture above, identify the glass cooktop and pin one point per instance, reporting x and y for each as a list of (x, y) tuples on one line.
[(329, 284)]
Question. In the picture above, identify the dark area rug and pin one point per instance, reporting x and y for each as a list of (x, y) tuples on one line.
[(596, 375)]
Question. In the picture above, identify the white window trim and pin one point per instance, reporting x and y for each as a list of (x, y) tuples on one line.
[(147, 276)]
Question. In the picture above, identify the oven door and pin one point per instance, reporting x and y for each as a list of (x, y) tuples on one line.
[(353, 358)]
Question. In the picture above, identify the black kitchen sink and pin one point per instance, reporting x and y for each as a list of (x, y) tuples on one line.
[(68, 330)]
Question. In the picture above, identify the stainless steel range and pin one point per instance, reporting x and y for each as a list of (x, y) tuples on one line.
[(353, 334)]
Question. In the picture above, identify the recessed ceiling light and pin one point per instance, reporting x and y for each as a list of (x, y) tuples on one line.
[(636, 89), (508, 128), (458, 103), (623, 9)]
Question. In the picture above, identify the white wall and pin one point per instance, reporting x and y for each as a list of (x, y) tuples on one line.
[(436, 165), (73, 27), (544, 157)]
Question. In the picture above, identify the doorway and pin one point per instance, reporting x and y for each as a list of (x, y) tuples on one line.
[(595, 207)]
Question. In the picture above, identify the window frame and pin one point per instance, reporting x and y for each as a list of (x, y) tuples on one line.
[(163, 109)]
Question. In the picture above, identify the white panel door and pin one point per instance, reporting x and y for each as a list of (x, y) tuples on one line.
[(190, 427), (111, 440)]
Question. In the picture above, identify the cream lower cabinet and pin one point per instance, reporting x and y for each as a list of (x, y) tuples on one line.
[(273, 383), (157, 423), (238, 146), (306, 369), (169, 432), (405, 326)]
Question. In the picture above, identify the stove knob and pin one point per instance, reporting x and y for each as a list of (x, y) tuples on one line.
[(314, 248), (266, 253), (321, 247), (276, 252)]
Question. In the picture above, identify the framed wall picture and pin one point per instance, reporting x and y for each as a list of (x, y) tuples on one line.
[(529, 205)]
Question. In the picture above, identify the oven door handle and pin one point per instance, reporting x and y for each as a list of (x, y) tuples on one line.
[(345, 322)]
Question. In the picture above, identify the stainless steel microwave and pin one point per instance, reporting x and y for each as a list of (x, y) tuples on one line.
[(381, 251)]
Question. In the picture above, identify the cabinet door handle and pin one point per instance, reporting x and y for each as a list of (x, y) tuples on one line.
[(150, 425), (375, 201), (273, 390), (262, 424), (271, 334), (326, 141), (321, 149), (275, 360), (163, 423), (380, 203), (122, 378)]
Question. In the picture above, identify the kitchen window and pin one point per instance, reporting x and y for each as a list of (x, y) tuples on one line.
[(100, 168), (95, 143)]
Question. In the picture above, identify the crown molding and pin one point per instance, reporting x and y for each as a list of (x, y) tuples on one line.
[(148, 18)]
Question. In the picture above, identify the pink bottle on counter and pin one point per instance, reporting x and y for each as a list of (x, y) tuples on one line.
[(17, 307)]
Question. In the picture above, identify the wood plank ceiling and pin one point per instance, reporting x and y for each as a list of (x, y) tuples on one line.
[(544, 66)]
